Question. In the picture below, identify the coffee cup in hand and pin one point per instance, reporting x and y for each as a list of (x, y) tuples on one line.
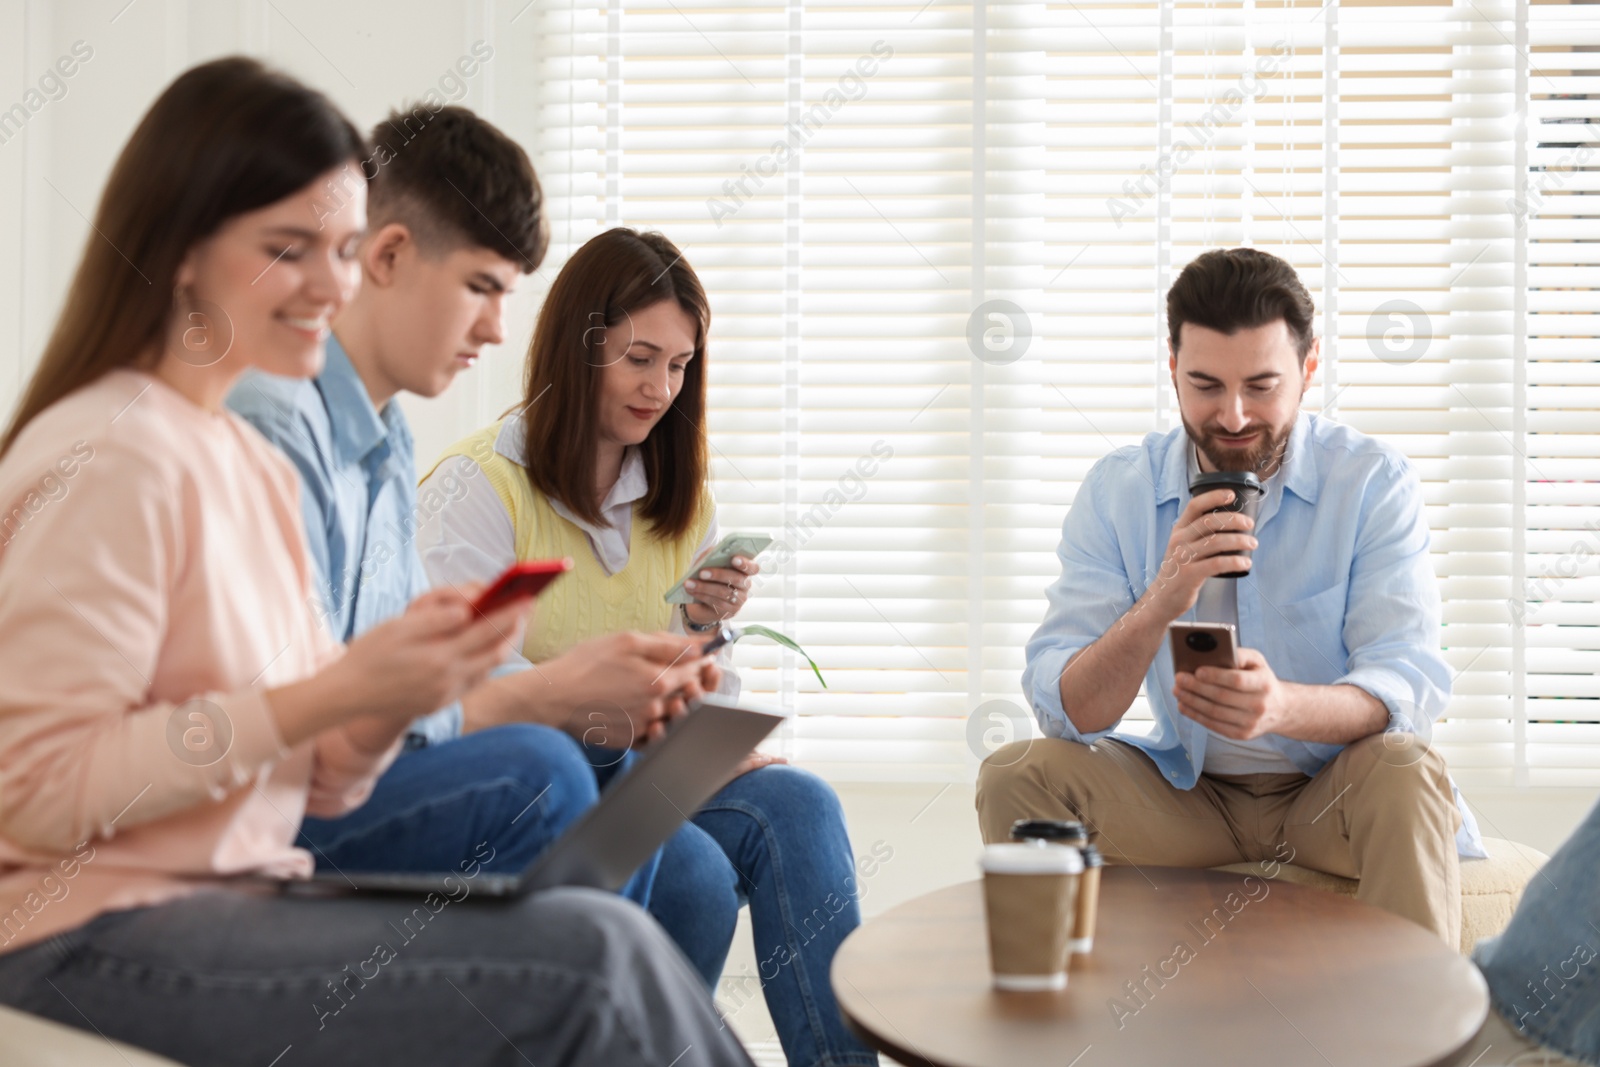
[(1030, 894), (1247, 494)]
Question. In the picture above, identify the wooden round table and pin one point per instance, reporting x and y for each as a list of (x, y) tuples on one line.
[(1191, 968)]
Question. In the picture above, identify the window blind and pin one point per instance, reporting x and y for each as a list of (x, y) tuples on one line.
[(1554, 737), (937, 239)]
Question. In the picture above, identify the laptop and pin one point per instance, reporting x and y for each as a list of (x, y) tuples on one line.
[(637, 812)]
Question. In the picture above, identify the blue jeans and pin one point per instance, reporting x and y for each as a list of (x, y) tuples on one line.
[(1544, 969), (499, 796), (774, 837)]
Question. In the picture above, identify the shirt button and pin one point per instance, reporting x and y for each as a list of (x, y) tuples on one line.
[(1172, 774)]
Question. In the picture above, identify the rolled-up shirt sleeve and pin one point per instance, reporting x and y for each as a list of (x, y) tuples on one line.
[(1091, 594), (1392, 617)]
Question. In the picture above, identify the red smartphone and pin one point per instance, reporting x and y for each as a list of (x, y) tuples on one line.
[(527, 578)]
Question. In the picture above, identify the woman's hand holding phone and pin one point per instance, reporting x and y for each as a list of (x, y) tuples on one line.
[(720, 592), (399, 670), (424, 659)]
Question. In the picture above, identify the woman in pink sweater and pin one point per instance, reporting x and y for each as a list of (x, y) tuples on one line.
[(171, 707)]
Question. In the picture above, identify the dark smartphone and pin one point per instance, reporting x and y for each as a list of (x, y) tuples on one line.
[(725, 635), (1202, 644), (527, 578)]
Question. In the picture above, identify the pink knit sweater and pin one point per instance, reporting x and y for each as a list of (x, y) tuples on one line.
[(154, 582)]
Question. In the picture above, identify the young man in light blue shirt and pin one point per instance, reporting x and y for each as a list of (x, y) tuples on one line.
[(1316, 747), (503, 772), (454, 216)]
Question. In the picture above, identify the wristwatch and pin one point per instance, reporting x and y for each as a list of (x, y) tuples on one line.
[(695, 627)]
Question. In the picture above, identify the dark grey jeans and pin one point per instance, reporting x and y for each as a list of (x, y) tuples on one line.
[(568, 976)]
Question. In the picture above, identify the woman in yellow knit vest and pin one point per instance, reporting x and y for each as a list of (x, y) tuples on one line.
[(605, 461)]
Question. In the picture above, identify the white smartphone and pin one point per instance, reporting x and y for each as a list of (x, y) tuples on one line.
[(743, 543), (1202, 644)]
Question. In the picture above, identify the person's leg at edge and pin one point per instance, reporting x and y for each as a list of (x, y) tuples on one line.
[(1116, 791), (783, 831), (1498, 1044), (495, 798), (696, 900), (1543, 970), (1382, 811), (564, 977)]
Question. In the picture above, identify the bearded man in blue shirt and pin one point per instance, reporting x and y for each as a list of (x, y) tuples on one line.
[(1316, 747)]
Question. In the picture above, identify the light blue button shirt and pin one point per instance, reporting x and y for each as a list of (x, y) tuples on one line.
[(358, 492), (1341, 591)]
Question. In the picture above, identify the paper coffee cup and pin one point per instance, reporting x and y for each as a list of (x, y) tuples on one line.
[(1247, 494), (1030, 895), (1087, 908)]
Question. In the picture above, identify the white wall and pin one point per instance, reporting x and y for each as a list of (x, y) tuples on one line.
[(368, 56)]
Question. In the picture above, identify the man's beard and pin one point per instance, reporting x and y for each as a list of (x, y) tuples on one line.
[(1260, 458)]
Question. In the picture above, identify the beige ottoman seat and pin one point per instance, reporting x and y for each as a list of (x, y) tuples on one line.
[(29, 1041), (1490, 888)]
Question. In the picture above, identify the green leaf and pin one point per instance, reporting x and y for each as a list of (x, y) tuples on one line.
[(787, 642)]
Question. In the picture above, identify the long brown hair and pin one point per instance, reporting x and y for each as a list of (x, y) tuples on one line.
[(226, 137), (613, 275)]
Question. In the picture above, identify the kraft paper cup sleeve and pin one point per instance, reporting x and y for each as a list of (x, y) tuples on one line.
[(1030, 907)]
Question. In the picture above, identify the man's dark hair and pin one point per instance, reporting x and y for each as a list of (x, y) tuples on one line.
[(1233, 289), (453, 179)]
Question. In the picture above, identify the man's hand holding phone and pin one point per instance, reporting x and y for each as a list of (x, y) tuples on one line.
[(1241, 703), (622, 690), (1203, 544)]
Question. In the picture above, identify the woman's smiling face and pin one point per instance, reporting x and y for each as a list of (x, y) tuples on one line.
[(269, 281), (644, 359)]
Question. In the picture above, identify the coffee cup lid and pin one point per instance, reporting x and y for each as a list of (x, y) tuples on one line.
[(1203, 483), (1032, 858), (1066, 831)]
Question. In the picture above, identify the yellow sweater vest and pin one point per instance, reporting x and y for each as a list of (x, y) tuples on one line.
[(588, 602)]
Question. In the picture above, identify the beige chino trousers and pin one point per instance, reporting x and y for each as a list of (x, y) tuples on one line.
[(1382, 811)]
